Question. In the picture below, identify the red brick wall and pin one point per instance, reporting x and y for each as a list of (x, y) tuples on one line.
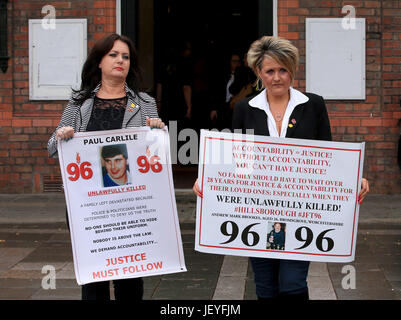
[(374, 120), (25, 126)]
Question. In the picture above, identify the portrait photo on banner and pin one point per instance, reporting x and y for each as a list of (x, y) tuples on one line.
[(115, 165), (275, 236)]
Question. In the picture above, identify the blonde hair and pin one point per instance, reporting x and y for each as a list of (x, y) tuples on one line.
[(279, 49)]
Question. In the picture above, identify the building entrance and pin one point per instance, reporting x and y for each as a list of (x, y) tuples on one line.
[(198, 38), (194, 42), (193, 47)]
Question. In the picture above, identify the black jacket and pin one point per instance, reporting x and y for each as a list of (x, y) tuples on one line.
[(311, 119)]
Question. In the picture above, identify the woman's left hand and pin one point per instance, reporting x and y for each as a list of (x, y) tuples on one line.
[(155, 123), (364, 190), (196, 189)]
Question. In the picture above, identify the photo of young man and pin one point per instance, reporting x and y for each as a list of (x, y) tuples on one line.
[(276, 236), (115, 165)]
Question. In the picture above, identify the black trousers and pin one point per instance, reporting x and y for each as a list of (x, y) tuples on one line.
[(124, 289)]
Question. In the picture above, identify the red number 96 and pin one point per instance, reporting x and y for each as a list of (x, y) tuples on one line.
[(144, 164), (82, 171)]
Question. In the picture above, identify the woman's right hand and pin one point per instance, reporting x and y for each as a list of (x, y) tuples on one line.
[(213, 115), (197, 190), (65, 133)]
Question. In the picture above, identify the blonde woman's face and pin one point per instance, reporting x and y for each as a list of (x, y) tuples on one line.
[(275, 77)]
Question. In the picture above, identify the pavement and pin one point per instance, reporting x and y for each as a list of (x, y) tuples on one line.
[(33, 235)]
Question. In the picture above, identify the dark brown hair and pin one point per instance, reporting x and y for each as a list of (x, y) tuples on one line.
[(91, 73)]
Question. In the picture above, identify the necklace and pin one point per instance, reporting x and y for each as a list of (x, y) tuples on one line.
[(278, 117), (278, 109)]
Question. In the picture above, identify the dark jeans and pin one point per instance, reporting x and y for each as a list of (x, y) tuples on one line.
[(274, 277), (124, 289)]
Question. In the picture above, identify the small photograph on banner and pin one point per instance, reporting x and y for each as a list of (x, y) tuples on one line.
[(275, 236)]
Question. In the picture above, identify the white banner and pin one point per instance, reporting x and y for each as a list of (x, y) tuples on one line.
[(278, 197), (121, 204)]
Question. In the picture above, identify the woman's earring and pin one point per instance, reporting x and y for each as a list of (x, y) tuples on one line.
[(258, 84)]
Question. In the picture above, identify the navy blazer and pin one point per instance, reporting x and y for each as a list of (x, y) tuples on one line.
[(311, 119)]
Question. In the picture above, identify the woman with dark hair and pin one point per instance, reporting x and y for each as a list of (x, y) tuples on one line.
[(109, 98)]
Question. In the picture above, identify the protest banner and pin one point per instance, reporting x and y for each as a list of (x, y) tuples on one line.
[(121, 205), (278, 197)]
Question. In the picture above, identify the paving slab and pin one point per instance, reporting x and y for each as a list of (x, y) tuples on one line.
[(230, 288), (319, 282), (392, 272), (58, 294), (6, 283), (179, 293), (232, 279), (11, 256), (33, 233), (38, 266), (22, 274), (17, 293)]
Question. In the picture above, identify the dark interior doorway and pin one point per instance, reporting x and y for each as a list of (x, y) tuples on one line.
[(214, 30), (218, 26)]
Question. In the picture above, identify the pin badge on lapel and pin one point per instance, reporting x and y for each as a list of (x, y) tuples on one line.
[(132, 107), (293, 122)]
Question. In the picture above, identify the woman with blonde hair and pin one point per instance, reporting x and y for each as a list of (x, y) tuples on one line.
[(279, 110)]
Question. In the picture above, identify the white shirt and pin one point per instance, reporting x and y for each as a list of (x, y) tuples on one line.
[(260, 102)]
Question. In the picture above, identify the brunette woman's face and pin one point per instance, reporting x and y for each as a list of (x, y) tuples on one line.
[(115, 64), (275, 77)]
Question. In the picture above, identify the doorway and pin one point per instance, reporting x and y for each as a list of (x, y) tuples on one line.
[(208, 31), (217, 26), (213, 29)]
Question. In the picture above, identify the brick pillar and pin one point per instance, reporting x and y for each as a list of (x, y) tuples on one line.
[(373, 120), (25, 126)]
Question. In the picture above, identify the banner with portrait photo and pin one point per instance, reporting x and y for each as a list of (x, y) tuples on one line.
[(121, 204), (278, 197)]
